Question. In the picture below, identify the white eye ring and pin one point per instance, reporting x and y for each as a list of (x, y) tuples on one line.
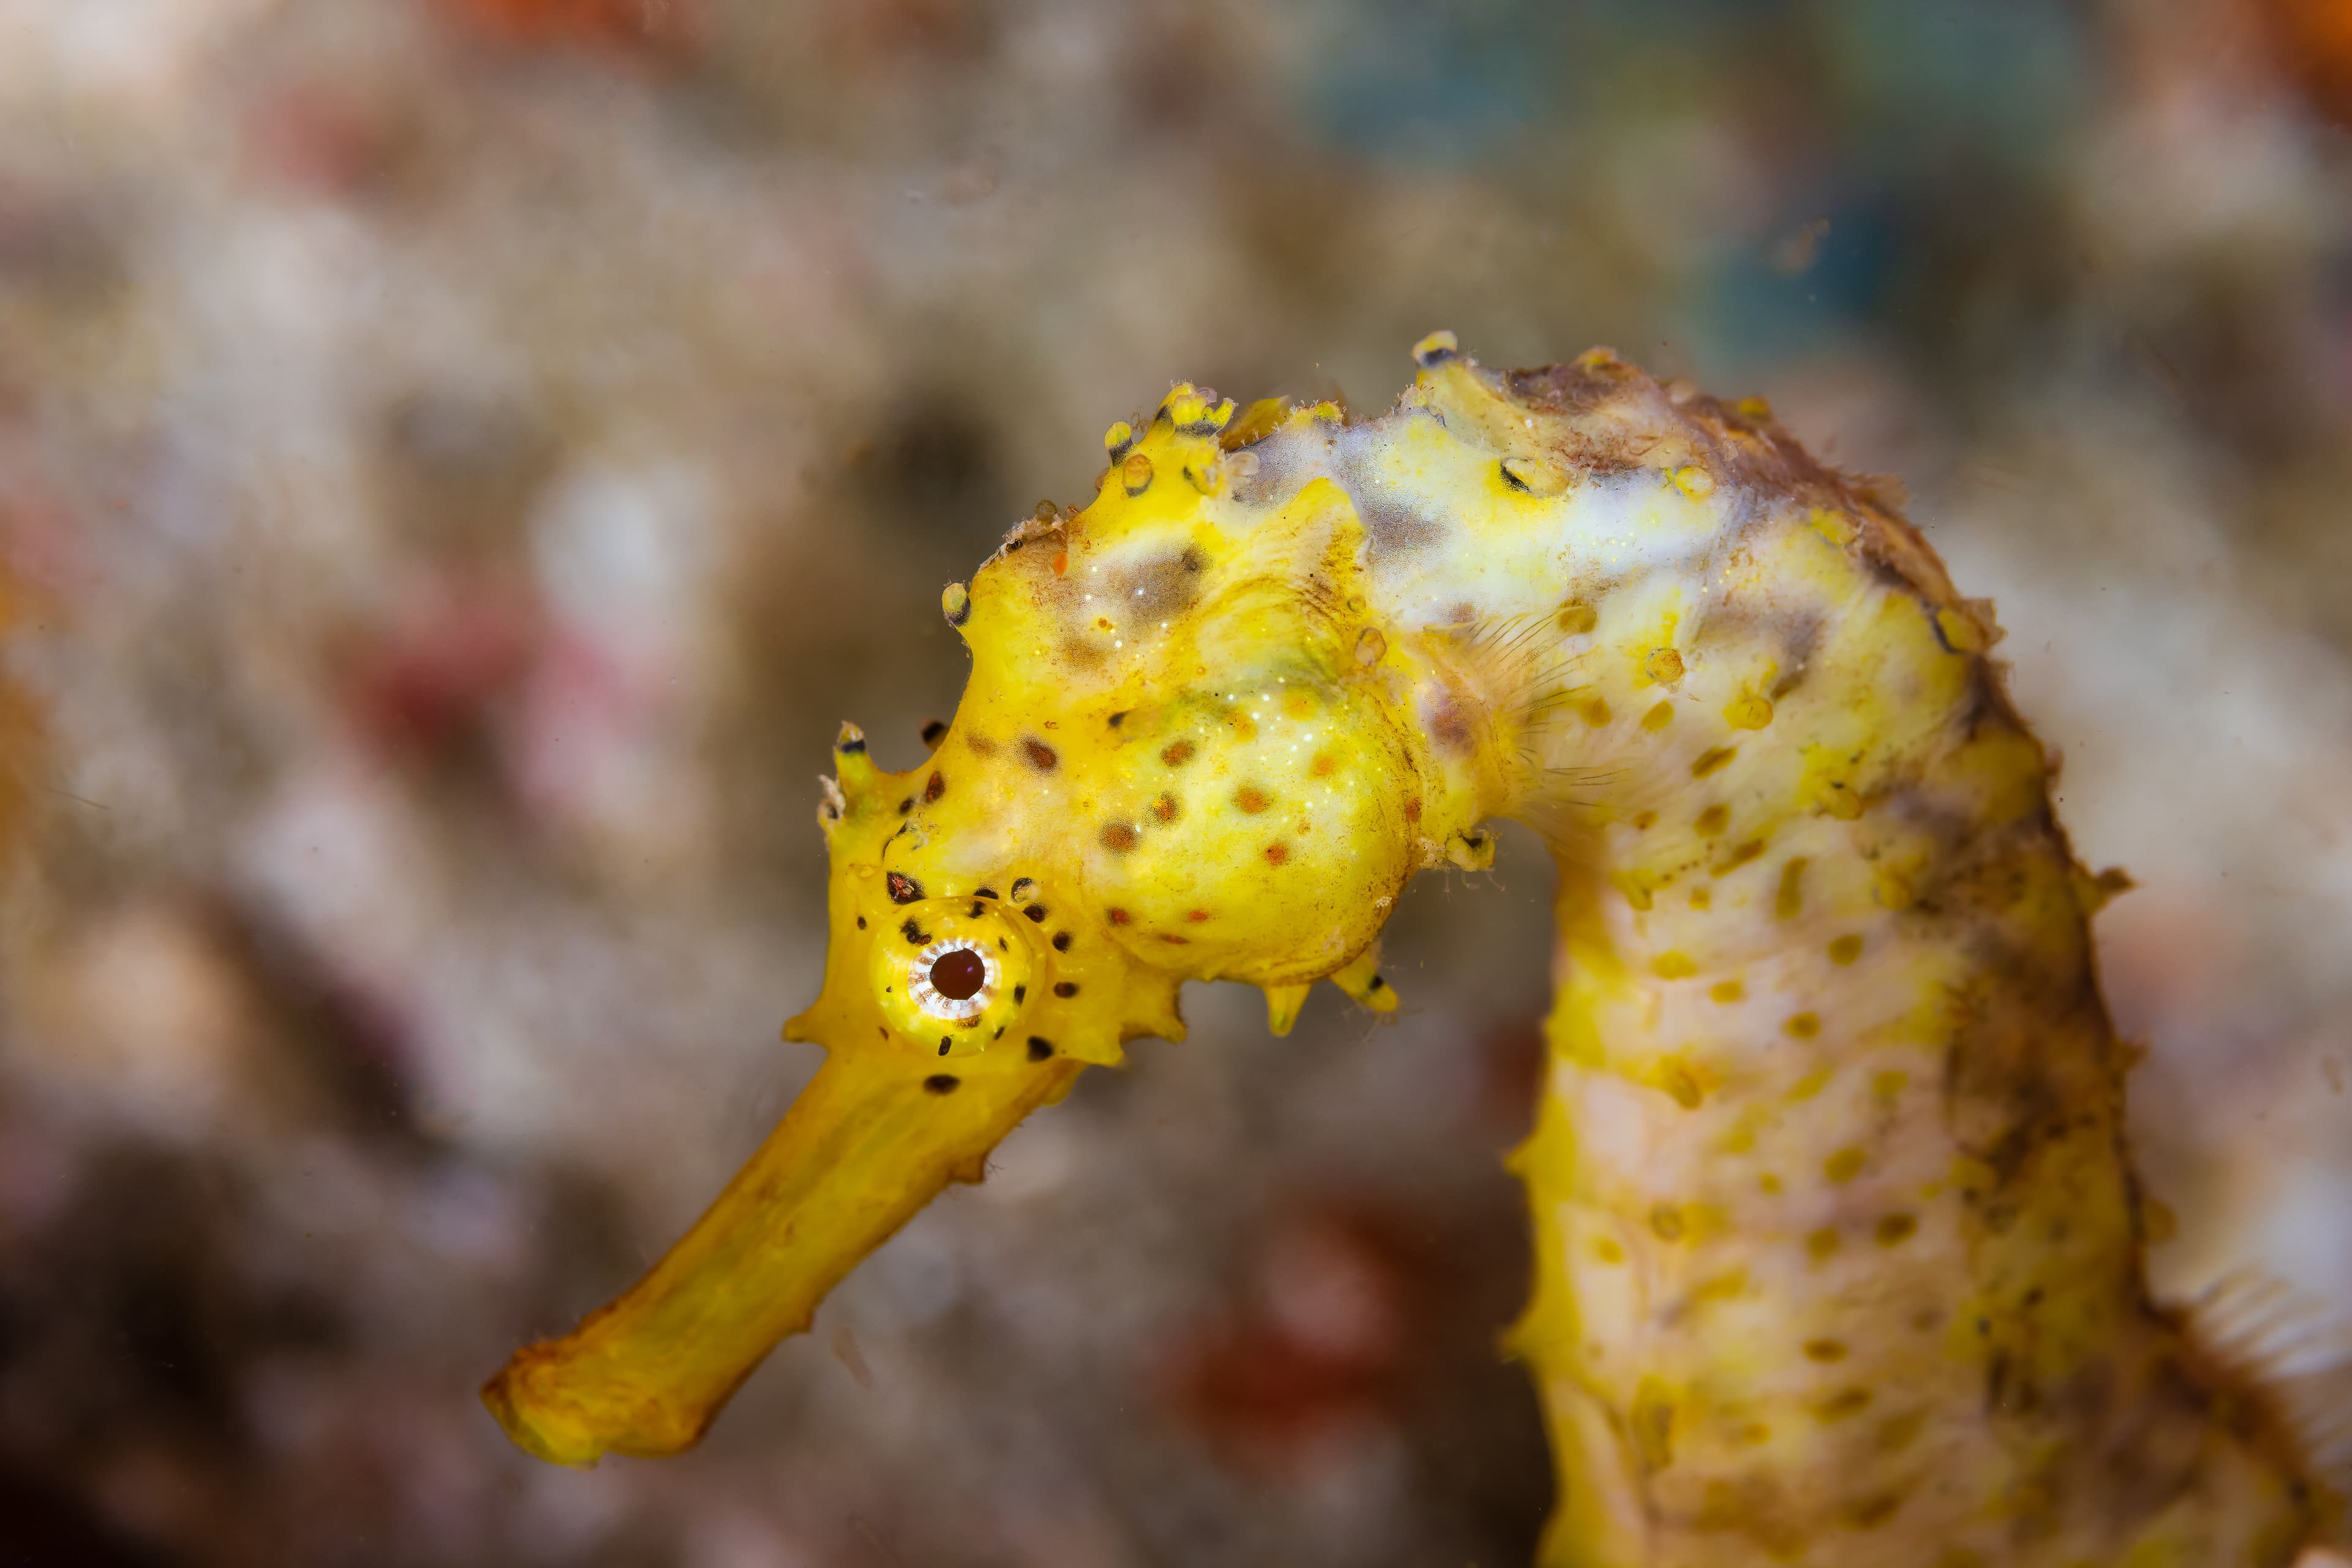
[(928, 997)]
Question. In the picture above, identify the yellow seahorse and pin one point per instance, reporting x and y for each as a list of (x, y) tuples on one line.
[(1839, 1253)]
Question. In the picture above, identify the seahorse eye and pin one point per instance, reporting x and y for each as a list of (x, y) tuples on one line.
[(952, 980), (956, 974)]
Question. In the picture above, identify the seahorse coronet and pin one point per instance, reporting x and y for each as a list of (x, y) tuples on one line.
[(1838, 1252)]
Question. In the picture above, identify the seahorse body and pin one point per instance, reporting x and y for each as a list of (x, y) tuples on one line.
[(1839, 1254)]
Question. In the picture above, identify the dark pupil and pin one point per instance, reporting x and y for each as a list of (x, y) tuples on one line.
[(959, 975)]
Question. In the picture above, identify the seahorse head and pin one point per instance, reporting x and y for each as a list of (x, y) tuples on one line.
[(1184, 753), (1188, 749)]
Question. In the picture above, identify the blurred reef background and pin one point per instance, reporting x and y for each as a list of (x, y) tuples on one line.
[(459, 460)]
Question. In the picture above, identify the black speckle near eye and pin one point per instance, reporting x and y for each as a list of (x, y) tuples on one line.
[(914, 933), (983, 892), (942, 1083), (1061, 940), (861, 922), (1021, 993), (944, 1044), (1037, 912), (905, 805), (934, 731), (977, 908), (1021, 887), (936, 787), (1065, 988), (1118, 718), (853, 747), (904, 890), (1040, 1048), (1377, 984)]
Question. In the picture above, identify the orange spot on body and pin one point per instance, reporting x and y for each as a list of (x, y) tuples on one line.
[(1251, 798), (1275, 854)]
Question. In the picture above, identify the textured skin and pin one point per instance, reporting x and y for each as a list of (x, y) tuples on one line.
[(1838, 1249)]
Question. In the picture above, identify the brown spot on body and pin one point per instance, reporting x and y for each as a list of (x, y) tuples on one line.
[(936, 786), (1119, 837), (1844, 950), (1120, 917), (942, 1083), (1065, 989), (1712, 760), (1449, 726), (1176, 753), (1276, 854), (914, 932), (1250, 799), (1804, 1025), (1038, 755), (1789, 901), (1040, 1048), (1895, 1229), (1741, 856), (1036, 913), (1850, 1402), (1713, 820), (1165, 808), (1824, 1350), (904, 890)]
